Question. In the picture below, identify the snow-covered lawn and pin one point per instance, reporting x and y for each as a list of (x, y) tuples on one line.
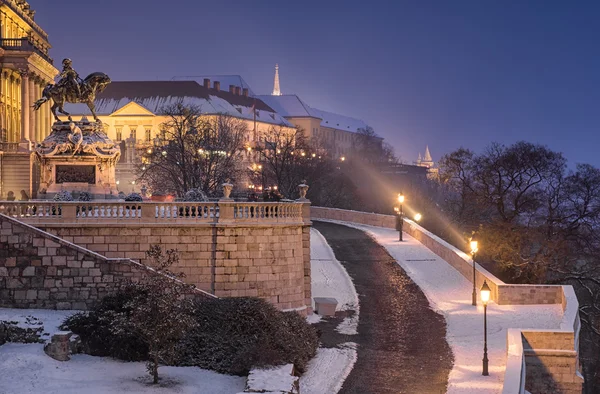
[(26, 369), (450, 294), (330, 367)]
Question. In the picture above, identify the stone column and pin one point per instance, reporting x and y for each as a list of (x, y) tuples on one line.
[(46, 116), (32, 89), (24, 106)]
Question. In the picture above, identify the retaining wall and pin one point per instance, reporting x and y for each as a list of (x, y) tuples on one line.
[(227, 248), (39, 270), (540, 361)]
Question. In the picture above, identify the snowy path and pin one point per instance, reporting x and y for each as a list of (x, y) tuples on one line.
[(330, 367), (450, 294)]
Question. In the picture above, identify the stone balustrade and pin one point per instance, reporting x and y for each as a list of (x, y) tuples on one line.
[(42, 212)]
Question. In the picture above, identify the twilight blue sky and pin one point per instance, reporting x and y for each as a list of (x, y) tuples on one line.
[(443, 73)]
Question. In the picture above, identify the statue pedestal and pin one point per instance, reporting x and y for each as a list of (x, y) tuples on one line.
[(78, 156)]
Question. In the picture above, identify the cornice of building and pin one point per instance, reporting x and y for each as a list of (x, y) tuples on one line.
[(22, 9)]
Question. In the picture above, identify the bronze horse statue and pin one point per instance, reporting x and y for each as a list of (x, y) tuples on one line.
[(60, 94)]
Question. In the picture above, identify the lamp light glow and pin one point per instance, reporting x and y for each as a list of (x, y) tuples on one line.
[(401, 198), (474, 244), (418, 217), (485, 293)]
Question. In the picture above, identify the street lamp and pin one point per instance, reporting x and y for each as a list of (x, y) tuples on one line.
[(400, 216), (485, 298), (474, 250), (418, 217)]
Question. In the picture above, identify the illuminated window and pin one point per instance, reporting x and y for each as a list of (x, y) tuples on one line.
[(148, 135), (119, 135), (132, 133)]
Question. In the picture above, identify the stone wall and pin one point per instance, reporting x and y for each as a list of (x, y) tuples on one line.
[(542, 361), (39, 270), (228, 261)]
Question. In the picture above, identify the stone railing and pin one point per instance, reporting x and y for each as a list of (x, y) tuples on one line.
[(43, 212), (542, 353)]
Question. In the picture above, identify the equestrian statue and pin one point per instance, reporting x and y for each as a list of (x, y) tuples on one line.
[(71, 89)]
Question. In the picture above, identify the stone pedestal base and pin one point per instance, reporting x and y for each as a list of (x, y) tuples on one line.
[(78, 156)]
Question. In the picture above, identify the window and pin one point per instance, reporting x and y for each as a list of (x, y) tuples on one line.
[(132, 133), (119, 135), (148, 135)]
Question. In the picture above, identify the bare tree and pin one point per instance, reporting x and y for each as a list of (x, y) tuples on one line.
[(196, 151), (161, 313)]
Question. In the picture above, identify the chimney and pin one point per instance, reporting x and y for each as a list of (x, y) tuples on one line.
[(207, 83), (245, 92), (238, 90), (232, 89), (217, 85)]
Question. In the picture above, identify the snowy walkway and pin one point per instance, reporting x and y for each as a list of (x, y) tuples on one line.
[(450, 293), (402, 344), (330, 367)]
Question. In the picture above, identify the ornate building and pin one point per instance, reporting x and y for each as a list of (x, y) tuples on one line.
[(334, 131), (130, 111), (427, 162), (25, 69)]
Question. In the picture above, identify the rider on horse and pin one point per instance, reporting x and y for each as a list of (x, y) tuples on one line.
[(69, 77)]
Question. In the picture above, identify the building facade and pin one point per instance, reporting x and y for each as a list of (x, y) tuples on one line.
[(337, 133), (25, 69), (427, 162), (131, 114)]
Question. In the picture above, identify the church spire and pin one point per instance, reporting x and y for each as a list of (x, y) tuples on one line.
[(276, 90), (427, 155)]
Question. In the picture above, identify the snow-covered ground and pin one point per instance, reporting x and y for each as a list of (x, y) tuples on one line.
[(26, 369), (330, 367), (330, 279), (449, 293)]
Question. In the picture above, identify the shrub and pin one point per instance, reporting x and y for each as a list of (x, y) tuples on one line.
[(134, 197), (195, 195), (235, 334), (85, 196), (63, 195), (103, 334), (122, 196)]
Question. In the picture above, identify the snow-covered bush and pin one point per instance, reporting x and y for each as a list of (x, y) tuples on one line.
[(85, 196), (102, 334), (134, 197), (122, 195), (234, 335), (195, 195), (63, 195)]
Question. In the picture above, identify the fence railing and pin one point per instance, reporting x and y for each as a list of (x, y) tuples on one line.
[(23, 44), (152, 212)]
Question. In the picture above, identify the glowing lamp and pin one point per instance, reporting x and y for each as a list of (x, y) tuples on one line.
[(314, 155), (473, 244), (401, 198), (343, 158), (117, 182), (303, 154), (149, 150), (396, 209), (485, 293), (275, 187), (417, 217)]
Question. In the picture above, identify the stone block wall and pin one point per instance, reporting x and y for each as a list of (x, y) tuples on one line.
[(38, 270), (266, 261)]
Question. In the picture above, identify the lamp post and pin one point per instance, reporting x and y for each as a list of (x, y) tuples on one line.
[(400, 216), (485, 297), (473, 252)]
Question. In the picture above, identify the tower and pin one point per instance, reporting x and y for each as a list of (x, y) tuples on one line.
[(276, 89)]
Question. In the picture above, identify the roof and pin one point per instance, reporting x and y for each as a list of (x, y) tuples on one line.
[(225, 81), (291, 106), (153, 95)]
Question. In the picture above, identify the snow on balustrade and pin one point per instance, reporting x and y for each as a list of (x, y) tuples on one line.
[(267, 211), (151, 212)]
